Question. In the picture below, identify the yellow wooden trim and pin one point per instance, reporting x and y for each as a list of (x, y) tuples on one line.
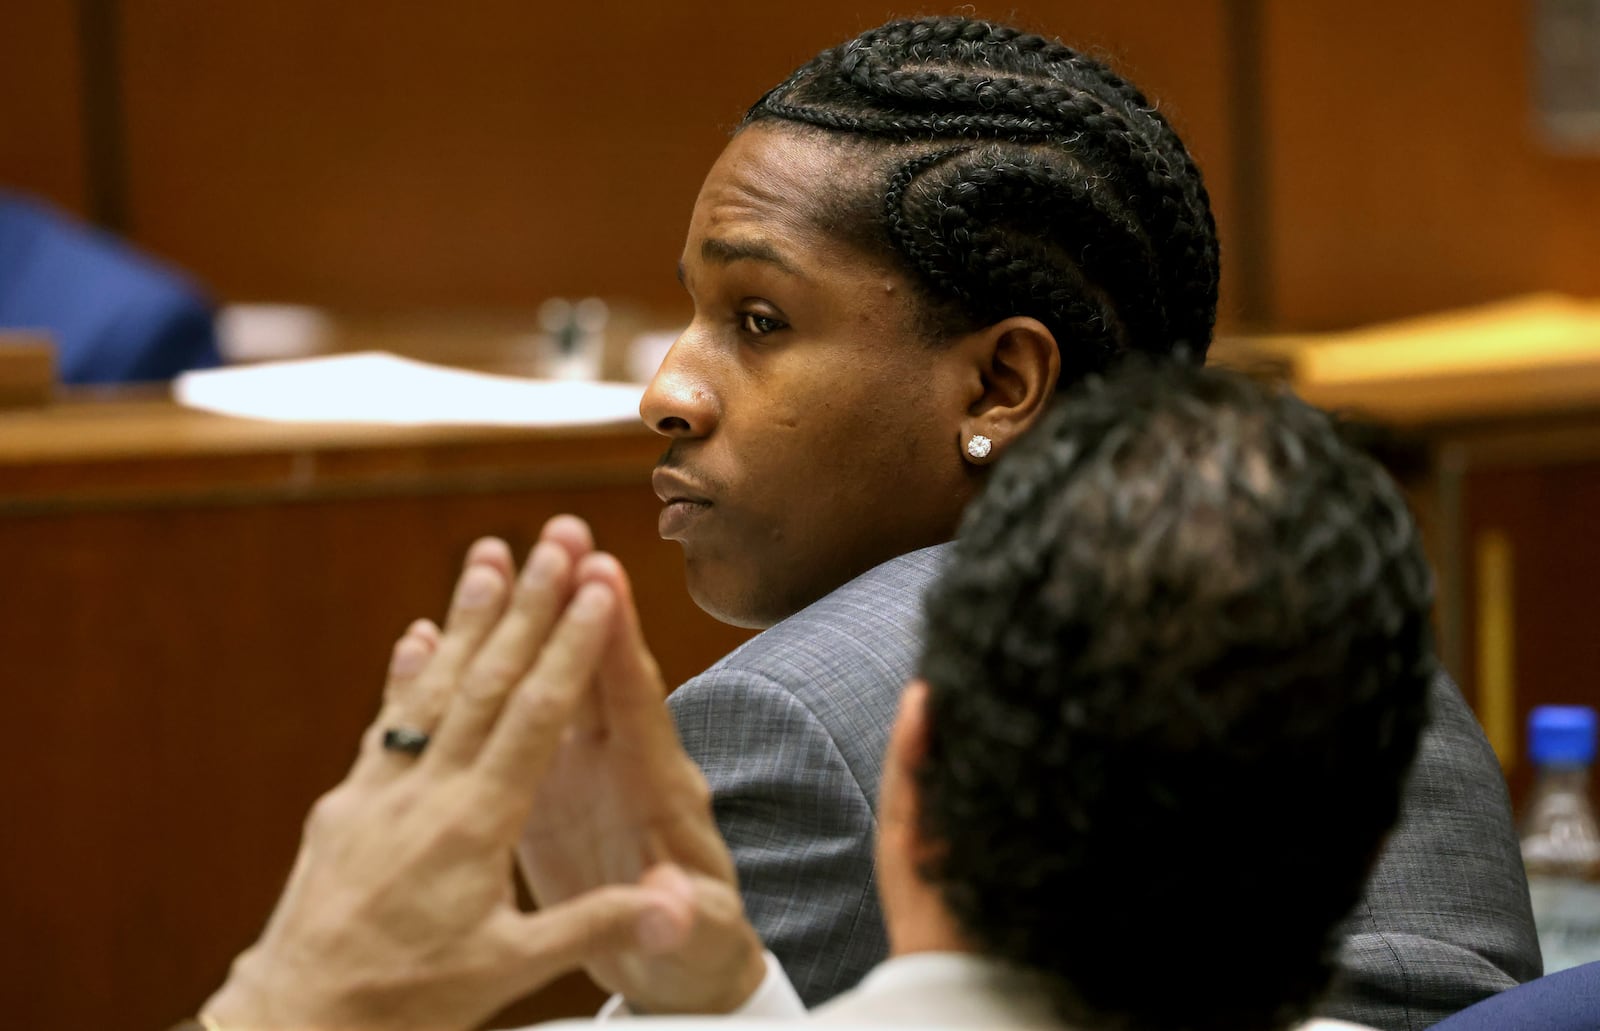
[(1497, 697)]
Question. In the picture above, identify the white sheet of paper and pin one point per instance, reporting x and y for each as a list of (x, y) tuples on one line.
[(376, 387)]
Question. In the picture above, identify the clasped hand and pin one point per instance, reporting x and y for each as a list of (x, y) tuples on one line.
[(545, 713)]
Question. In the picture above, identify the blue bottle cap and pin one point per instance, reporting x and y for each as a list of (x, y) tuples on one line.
[(1561, 734)]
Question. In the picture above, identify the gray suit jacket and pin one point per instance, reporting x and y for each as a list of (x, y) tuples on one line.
[(791, 727)]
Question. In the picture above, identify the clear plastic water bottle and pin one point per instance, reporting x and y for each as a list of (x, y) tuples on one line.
[(1560, 840)]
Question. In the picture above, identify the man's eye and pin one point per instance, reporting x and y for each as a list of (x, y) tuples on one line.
[(759, 325)]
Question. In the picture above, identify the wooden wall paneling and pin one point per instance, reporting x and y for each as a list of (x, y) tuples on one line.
[(100, 51), (1406, 175), (369, 154), (188, 678), (41, 103), (1543, 511), (381, 155)]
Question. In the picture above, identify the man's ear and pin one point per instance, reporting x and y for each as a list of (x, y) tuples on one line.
[(1017, 362), (908, 749), (908, 738)]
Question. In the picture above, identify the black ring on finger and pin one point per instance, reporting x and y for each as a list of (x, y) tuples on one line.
[(407, 740)]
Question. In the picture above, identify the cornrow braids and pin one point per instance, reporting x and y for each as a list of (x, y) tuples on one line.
[(1020, 178)]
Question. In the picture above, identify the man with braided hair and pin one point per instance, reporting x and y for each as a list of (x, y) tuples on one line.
[(906, 249)]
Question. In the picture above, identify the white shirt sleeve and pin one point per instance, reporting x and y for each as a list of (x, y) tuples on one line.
[(773, 999)]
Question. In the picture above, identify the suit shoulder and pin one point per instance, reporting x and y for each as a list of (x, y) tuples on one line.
[(835, 668), (866, 629)]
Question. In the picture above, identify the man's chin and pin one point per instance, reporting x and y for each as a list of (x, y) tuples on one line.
[(726, 602)]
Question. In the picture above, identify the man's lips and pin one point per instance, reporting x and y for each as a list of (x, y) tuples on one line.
[(685, 501), (672, 486)]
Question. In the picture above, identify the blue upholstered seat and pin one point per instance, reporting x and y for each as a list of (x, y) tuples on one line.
[(114, 314), (1568, 1000)]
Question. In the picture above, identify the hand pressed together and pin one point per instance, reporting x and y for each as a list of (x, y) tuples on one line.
[(622, 803), (544, 713)]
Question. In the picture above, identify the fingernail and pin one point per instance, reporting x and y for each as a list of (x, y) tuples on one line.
[(592, 601), (542, 564), (478, 588), (409, 658), (486, 549)]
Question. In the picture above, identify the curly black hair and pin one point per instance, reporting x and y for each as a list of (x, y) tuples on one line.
[(1177, 668), (1011, 175)]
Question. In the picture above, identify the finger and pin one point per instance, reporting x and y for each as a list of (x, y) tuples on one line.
[(406, 663), (597, 924), (630, 694), (492, 552), (541, 592), (408, 658), (631, 698), (589, 722), (666, 927), (480, 598), (571, 533), (427, 631), (540, 709)]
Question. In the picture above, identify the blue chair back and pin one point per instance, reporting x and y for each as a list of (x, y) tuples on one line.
[(115, 315), (1568, 1000)]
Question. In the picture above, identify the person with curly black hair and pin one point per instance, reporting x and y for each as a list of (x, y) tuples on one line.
[(907, 248), (1176, 669), (1175, 673)]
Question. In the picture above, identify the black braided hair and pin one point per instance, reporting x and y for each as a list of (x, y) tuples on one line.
[(1023, 179), (1177, 667)]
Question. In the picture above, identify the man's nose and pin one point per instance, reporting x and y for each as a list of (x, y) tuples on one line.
[(680, 401)]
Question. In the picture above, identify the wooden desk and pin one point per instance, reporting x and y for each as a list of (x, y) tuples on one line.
[(194, 626), (1522, 358)]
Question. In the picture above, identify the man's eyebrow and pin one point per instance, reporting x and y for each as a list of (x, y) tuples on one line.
[(725, 252)]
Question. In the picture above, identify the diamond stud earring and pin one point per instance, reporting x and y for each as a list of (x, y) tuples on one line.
[(978, 446)]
